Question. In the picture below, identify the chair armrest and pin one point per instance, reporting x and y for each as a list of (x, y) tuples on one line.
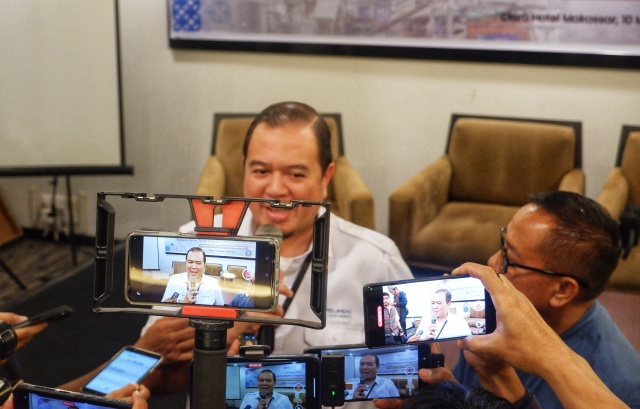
[(417, 201), (212, 179), (352, 195), (573, 181), (615, 193)]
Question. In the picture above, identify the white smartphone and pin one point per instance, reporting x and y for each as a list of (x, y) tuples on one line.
[(130, 365)]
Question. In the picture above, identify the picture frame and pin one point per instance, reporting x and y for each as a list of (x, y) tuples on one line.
[(597, 33)]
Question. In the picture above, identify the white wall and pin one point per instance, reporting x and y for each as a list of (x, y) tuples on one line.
[(395, 112)]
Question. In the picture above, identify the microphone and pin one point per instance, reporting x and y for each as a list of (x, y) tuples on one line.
[(263, 395), (266, 335), (269, 230), (362, 379), (434, 318)]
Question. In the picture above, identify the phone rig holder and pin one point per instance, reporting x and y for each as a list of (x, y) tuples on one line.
[(211, 323)]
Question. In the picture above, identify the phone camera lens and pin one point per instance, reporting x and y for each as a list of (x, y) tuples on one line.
[(267, 258)]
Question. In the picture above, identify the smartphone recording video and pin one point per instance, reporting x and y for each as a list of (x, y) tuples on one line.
[(377, 373), (438, 308), (182, 269), (276, 381)]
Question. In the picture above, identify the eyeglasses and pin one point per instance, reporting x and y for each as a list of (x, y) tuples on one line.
[(506, 263)]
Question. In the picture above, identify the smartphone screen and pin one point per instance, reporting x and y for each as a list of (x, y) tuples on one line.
[(276, 380), (378, 373), (438, 308), (129, 366), (28, 396), (170, 268)]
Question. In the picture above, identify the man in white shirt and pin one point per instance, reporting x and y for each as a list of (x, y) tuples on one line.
[(446, 325), (370, 385), (193, 286), (266, 397), (288, 157)]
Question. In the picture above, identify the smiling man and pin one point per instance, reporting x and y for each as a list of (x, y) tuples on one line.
[(266, 397), (446, 325), (288, 157), (193, 286), (370, 385)]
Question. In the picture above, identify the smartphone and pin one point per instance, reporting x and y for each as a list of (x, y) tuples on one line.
[(297, 379), (234, 272), (380, 372), (130, 365), (52, 315), (439, 308), (26, 396)]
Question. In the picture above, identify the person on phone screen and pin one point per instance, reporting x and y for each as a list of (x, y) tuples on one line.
[(244, 298), (442, 323), (266, 397), (193, 286), (392, 330), (400, 302), (369, 385)]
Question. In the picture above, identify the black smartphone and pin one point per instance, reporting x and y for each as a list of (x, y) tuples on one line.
[(379, 372), (26, 396), (130, 365), (235, 272), (54, 314), (275, 379), (439, 308)]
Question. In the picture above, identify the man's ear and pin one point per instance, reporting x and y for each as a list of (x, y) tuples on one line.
[(326, 178), (565, 291)]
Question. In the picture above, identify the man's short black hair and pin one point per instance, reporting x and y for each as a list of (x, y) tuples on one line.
[(287, 113), (374, 357), (447, 294), (385, 294), (271, 372), (585, 242), (197, 249), (451, 395)]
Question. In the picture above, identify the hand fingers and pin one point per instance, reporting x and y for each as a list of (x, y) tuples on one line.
[(25, 334), (144, 392), (11, 318), (234, 348), (284, 290), (436, 375), (389, 403), (125, 392)]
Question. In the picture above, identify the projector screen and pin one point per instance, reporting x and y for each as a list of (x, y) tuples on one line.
[(60, 105)]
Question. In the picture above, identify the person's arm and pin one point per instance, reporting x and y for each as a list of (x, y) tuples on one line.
[(524, 340), (402, 300)]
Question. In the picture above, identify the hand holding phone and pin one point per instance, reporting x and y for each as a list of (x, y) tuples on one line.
[(130, 365), (52, 315)]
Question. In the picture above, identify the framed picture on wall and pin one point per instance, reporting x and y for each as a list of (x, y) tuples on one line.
[(597, 33)]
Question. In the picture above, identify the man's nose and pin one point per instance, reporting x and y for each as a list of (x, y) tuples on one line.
[(277, 186), (495, 262)]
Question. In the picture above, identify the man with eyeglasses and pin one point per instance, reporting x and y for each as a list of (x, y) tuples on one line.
[(559, 250)]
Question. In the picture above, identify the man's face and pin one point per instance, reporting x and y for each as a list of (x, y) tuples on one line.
[(368, 367), (439, 305), (195, 264), (385, 300), (525, 232), (394, 291), (284, 163), (265, 382)]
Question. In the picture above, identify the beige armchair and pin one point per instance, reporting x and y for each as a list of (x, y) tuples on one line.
[(622, 188), (451, 211), (224, 173)]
